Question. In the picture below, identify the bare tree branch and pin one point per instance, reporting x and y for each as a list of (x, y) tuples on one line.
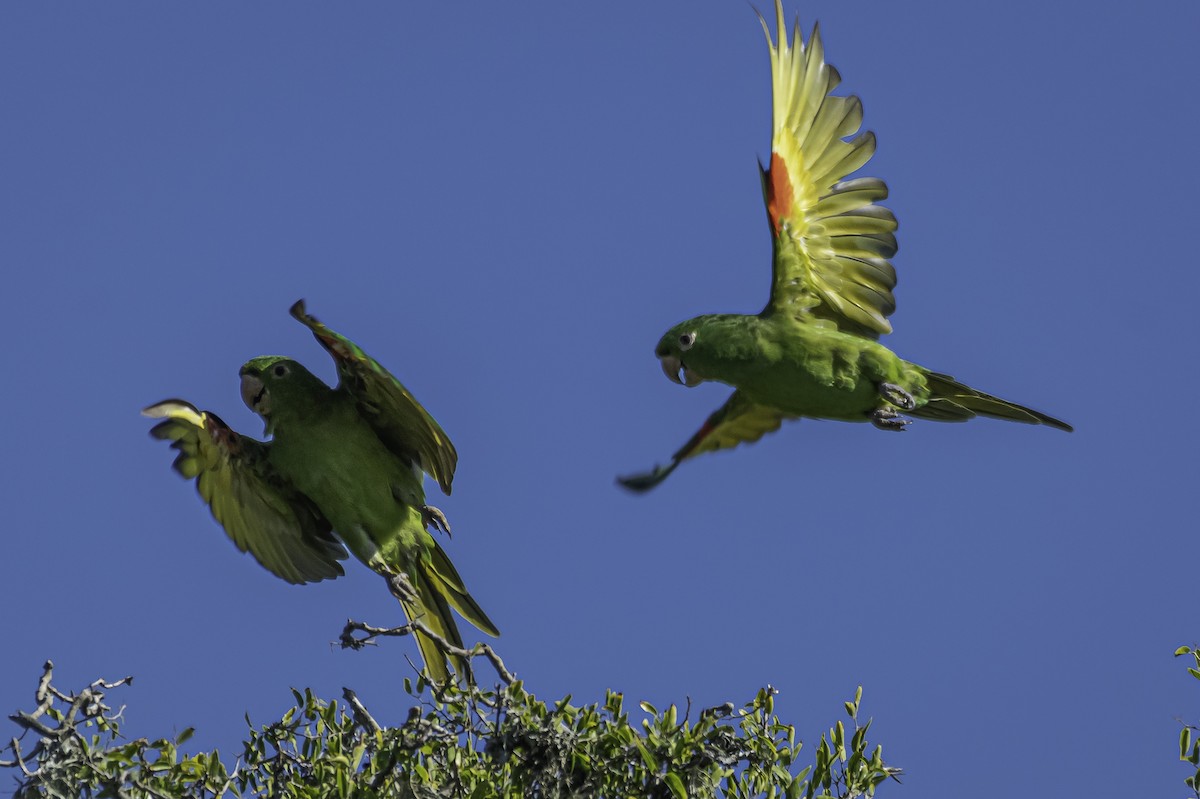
[(348, 640), (364, 719)]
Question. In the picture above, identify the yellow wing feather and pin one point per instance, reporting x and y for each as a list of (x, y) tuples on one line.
[(259, 511), (831, 242), (738, 421)]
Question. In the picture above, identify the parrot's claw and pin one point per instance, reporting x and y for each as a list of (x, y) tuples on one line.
[(886, 418), (401, 587), (435, 518), (897, 396)]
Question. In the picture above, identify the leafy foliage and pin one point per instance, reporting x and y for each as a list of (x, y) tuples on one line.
[(1189, 746), (469, 743)]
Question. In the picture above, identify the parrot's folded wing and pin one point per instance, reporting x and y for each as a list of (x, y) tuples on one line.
[(831, 242), (259, 510), (737, 421), (397, 418)]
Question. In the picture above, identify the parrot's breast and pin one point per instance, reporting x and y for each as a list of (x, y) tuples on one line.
[(336, 459)]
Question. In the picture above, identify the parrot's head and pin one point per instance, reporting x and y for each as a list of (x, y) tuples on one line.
[(271, 383), (696, 348)]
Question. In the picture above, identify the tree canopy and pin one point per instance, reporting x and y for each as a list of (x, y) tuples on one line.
[(469, 742)]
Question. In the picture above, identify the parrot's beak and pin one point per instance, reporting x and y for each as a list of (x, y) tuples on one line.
[(671, 366), (254, 393)]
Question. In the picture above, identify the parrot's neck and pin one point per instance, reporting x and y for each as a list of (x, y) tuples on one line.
[(732, 338), (301, 411), (735, 348)]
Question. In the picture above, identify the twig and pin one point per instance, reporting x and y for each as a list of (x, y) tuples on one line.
[(20, 759), (361, 715), (29, 722), (348, 640)]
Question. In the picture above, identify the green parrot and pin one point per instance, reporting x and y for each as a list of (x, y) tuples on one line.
[(344, 469), (813, 350)]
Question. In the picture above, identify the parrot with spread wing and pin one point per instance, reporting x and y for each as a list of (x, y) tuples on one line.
[(344, 469), (813, 350)]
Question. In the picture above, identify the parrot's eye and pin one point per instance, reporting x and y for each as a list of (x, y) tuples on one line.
[(686, 341), (280, 370)]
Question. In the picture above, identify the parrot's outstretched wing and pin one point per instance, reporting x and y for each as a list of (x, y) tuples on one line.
[(259, 510), (398, 419), (737, 421), (831, 242)]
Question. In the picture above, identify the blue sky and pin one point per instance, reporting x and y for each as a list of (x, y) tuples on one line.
[(507, 207)]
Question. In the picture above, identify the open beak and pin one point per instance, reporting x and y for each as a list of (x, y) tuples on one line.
[(671, 367), (253, 393)]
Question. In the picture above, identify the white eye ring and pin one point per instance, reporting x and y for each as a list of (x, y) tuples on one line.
[(686, 341), (280, 370)]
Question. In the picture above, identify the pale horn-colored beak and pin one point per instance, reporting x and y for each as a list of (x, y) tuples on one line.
[(252, 393), (670, 367)]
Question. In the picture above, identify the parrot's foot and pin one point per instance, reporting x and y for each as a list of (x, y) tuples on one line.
[(401, 587), (886, 418), (897, 396), (435, 518)]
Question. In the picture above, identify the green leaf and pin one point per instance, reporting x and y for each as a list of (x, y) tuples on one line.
[(647, 758), (675, 784), (1183, 650), (214, 764), (1185, 742), (592, 750)]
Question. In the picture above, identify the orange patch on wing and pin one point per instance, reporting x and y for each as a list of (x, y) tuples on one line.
[(696, 440), (779, 192)]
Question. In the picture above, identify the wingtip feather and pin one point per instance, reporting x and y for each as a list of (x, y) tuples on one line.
[(171, 408), (643, 482)]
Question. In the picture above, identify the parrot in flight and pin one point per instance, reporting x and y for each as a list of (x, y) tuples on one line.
[(344, 469), (813, 350)]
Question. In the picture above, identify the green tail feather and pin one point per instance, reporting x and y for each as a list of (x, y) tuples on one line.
[(433, 611), (438, 588), (951, 401), (449, 585)]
